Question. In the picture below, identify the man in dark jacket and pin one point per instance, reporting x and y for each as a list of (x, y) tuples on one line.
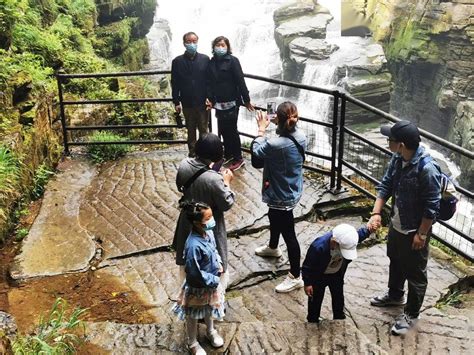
[(188, 84), (326, 264), (415, 194)]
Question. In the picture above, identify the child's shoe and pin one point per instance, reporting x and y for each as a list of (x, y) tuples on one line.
[(215, 339), (289, 284), (196, 349)]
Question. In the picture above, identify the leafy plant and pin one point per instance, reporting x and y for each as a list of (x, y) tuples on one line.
[(9, 172), (56, 334), (103, 152), (42, 174), (21, 233)]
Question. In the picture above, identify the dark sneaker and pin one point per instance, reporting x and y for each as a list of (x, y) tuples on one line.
[(237, 164), (403, 324), (386, 301)]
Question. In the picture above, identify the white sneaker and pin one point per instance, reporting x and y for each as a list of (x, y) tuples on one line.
[(267, 251), (289, 284), (215, 339), (196, 349)]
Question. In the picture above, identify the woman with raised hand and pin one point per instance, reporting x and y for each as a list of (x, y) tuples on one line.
[(282, 185)]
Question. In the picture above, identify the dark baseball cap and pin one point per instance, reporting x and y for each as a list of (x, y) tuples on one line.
[(402, 131)]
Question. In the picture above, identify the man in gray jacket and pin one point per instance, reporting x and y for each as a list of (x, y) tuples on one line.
[(211, 187)]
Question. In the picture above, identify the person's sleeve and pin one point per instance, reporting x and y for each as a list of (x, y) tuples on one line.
[(384, 189), (194, 271), (239, 77), (219, 259), (430, 190), (261, 148), (311, 266), (209, 85), (175, 89), (222, 195), (363, 233)]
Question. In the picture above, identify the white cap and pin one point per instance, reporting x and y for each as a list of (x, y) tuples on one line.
[(347, 238)]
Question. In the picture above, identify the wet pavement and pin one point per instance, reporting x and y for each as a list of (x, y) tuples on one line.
[(119, 219)]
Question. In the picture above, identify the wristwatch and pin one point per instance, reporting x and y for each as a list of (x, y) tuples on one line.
[(422, 236)]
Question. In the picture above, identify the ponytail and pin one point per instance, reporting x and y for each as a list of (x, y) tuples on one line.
[(287, 114)]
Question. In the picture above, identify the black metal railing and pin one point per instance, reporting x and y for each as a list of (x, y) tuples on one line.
[(354, 159)]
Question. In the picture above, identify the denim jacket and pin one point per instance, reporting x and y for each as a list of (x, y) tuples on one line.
[(282, 170), (202, 261), (416, 195)]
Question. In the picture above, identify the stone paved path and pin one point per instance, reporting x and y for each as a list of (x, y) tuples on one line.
[(128, 209)]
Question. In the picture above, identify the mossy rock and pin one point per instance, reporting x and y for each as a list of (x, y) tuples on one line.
[(114, 39), (136, 55)]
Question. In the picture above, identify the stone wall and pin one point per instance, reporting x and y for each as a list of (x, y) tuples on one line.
[(429, 46)]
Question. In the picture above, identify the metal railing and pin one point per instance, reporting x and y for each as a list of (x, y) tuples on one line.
[(353, 159)]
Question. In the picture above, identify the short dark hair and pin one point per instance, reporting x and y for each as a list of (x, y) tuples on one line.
[(189, 34), (209, 147), (194, 213), (226, 41)]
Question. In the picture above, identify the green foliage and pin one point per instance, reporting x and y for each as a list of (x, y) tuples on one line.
[(99, 153), (453, 299), (31, 38), (114, 38), (9, 173), (42, 175), (21, 233), (56, 334)]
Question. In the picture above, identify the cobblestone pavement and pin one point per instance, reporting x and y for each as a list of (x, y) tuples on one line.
[(128, 210)]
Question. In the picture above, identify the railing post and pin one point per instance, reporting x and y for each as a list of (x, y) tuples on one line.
[(340, 155), (62, 113), (334, 141)]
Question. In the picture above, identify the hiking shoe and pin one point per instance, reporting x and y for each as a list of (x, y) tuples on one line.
[(196, 349), (386, 301), (215, 339), (267, 251), (289, 284), (237, 164), (403, 324)]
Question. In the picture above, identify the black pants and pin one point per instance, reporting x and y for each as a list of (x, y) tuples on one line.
[(336, 287), (282, 222), (410, 265), (227, 128)]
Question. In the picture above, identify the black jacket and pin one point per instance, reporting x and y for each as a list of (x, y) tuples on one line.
[(188, 80), (226, 81)]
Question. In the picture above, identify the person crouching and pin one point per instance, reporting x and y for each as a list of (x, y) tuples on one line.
[(325, 265)]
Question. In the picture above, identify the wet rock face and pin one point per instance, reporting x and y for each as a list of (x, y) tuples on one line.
[(430, 51), (302, 48)]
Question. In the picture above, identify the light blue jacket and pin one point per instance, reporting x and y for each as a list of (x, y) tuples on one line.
[(416, 194), (283, 169), (202, 261)]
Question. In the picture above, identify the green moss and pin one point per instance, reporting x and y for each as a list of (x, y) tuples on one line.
[(113, 39), (136, 54), (411, 41)]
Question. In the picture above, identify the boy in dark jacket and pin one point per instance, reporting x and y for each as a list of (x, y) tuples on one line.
[(325, 265)]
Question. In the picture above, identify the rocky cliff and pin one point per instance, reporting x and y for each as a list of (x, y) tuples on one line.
[(300, 33), (429, 47)]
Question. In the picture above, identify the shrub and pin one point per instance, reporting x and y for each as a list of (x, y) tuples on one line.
[(9, 173), (103, 152), (42, 174), (56, 334)]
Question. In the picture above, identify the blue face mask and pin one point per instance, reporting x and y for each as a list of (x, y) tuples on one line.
[(219, 51), (191, 48), (210, 224)]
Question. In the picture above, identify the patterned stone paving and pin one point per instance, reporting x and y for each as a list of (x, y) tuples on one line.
[(130, 206)]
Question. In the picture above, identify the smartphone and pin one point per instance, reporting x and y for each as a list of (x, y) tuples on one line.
[(217, 165), (271, 110)]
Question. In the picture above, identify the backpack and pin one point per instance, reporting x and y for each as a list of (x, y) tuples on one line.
[(258, 163), (448, 203)]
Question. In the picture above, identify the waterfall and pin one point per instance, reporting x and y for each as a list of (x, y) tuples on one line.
[(248, 24)]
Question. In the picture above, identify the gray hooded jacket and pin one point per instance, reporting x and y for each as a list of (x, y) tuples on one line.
[(209, 188)]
